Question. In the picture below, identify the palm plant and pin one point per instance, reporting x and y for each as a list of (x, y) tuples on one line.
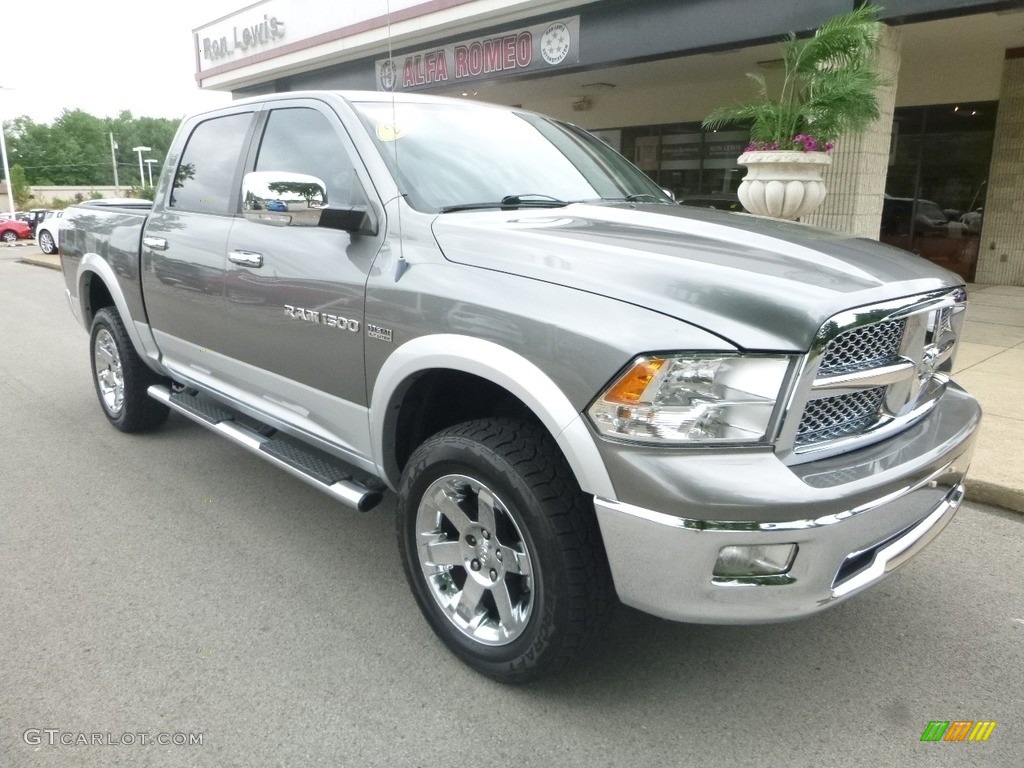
[(828, 90)]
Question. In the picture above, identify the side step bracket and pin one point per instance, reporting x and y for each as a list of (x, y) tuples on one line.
[(324, 472)]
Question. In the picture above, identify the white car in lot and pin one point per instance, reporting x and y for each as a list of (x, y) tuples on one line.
[(48, 232)]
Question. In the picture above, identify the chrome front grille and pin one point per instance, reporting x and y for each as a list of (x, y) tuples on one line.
[(872, 372), (869, 346), (829, 418)]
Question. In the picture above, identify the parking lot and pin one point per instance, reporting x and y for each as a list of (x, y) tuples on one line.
[(173, 585)]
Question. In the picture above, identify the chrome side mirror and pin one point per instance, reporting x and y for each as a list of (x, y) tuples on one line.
[(283, 199)]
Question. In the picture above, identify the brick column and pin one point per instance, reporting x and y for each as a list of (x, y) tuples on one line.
[(860, 163), (1001, 253)]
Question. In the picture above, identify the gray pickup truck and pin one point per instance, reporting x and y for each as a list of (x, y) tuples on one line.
[(581, 392)]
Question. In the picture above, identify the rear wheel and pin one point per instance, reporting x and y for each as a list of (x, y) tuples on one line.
[(10, 236), (501, 548), (46, 244), (121, 378)]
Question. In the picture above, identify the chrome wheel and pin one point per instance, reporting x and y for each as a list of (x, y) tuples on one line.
[(10, 237), (475, 560), (46, 243), (109, 375)]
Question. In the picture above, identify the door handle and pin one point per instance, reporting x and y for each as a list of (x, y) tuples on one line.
[(246, 258), (156, 243)]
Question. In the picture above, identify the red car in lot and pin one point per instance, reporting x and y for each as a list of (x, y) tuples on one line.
[(12, 230)]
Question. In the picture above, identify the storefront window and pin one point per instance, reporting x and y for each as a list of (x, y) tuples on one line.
[(935, 189), (695, 165)]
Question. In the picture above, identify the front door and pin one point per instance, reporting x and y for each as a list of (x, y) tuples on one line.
[(295, 294)]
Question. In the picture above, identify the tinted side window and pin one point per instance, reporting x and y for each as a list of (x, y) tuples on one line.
[(205, 176), (304, 141)]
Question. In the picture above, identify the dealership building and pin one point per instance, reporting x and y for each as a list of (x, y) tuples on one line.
[(941, 173)]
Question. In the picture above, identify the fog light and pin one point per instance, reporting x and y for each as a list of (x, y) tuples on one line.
[(755, 560)]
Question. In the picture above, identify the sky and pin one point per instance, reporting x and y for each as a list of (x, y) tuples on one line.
[(105, 56)]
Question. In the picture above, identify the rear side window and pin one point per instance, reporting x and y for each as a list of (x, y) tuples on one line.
[(205, 177)]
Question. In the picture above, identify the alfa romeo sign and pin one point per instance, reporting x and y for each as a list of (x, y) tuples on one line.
[(539, 47)]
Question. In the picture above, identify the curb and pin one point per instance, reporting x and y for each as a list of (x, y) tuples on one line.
[(39, 263), (985, 492)]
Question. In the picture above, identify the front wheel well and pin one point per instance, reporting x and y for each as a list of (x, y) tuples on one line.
[(439, 398)]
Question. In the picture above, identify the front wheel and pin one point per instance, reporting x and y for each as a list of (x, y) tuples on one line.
[(46, 244), (501, 548), (120, 376), (10, 237)]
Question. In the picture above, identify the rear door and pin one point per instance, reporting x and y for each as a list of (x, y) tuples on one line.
[(185, 243)]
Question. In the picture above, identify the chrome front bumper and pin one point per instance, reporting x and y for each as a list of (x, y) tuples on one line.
[(663, 563)]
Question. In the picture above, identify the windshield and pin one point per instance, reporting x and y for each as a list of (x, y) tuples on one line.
[(452, 156)]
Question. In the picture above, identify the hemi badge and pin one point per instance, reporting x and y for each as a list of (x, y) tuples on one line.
[(377, 332)]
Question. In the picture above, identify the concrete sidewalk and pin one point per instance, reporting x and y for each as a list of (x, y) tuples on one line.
[(989, 365)]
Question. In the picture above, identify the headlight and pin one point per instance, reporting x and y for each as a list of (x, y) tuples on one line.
[(685, 400)]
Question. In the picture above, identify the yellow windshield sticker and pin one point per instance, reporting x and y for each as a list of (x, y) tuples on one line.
[(389, 131)]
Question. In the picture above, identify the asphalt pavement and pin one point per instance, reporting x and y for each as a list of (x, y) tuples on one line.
[(173, 586)]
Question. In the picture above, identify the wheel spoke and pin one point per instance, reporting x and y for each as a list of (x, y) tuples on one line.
[(469, 600), (104, 354), (444, 552), (485, 509), (448, 505), (510, 620), (514, 561)]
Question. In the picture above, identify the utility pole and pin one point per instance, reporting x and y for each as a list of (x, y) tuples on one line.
[(7, 170), (149, 169), (113, 158), (140, 150)]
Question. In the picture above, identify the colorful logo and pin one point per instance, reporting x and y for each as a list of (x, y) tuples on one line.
[(958, 730)]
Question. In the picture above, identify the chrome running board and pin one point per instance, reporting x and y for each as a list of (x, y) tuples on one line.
[(324, 472)]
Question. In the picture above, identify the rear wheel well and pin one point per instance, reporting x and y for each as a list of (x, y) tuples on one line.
[(97, 296), (441, 398)]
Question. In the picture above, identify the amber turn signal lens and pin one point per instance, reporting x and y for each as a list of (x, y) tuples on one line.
[(631, 386)]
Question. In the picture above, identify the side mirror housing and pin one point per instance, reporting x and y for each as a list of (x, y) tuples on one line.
[(284, 199)]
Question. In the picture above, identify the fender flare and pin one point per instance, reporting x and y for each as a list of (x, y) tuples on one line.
[(503, 367), (93, 266)]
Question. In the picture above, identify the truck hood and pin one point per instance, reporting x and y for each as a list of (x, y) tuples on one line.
[(758, 283)]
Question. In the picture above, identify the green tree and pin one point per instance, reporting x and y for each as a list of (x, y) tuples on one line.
[(75, 148), (20, 187)]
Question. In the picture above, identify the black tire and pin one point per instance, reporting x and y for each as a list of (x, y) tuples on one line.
[(46, 244), (121, 378), (10, 236), (553, 579)]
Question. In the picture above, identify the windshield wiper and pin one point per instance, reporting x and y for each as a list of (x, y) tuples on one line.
[(528, 200), (640, 197)]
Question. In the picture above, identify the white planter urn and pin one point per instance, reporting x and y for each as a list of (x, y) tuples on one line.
[(783, 184)]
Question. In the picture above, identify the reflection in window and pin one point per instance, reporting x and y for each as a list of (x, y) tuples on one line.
[(204, 179), (935, 189), (455, 155), (303, 141), (696, 165)]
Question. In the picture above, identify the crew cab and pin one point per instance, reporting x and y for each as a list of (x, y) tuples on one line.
[(581, 392)]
